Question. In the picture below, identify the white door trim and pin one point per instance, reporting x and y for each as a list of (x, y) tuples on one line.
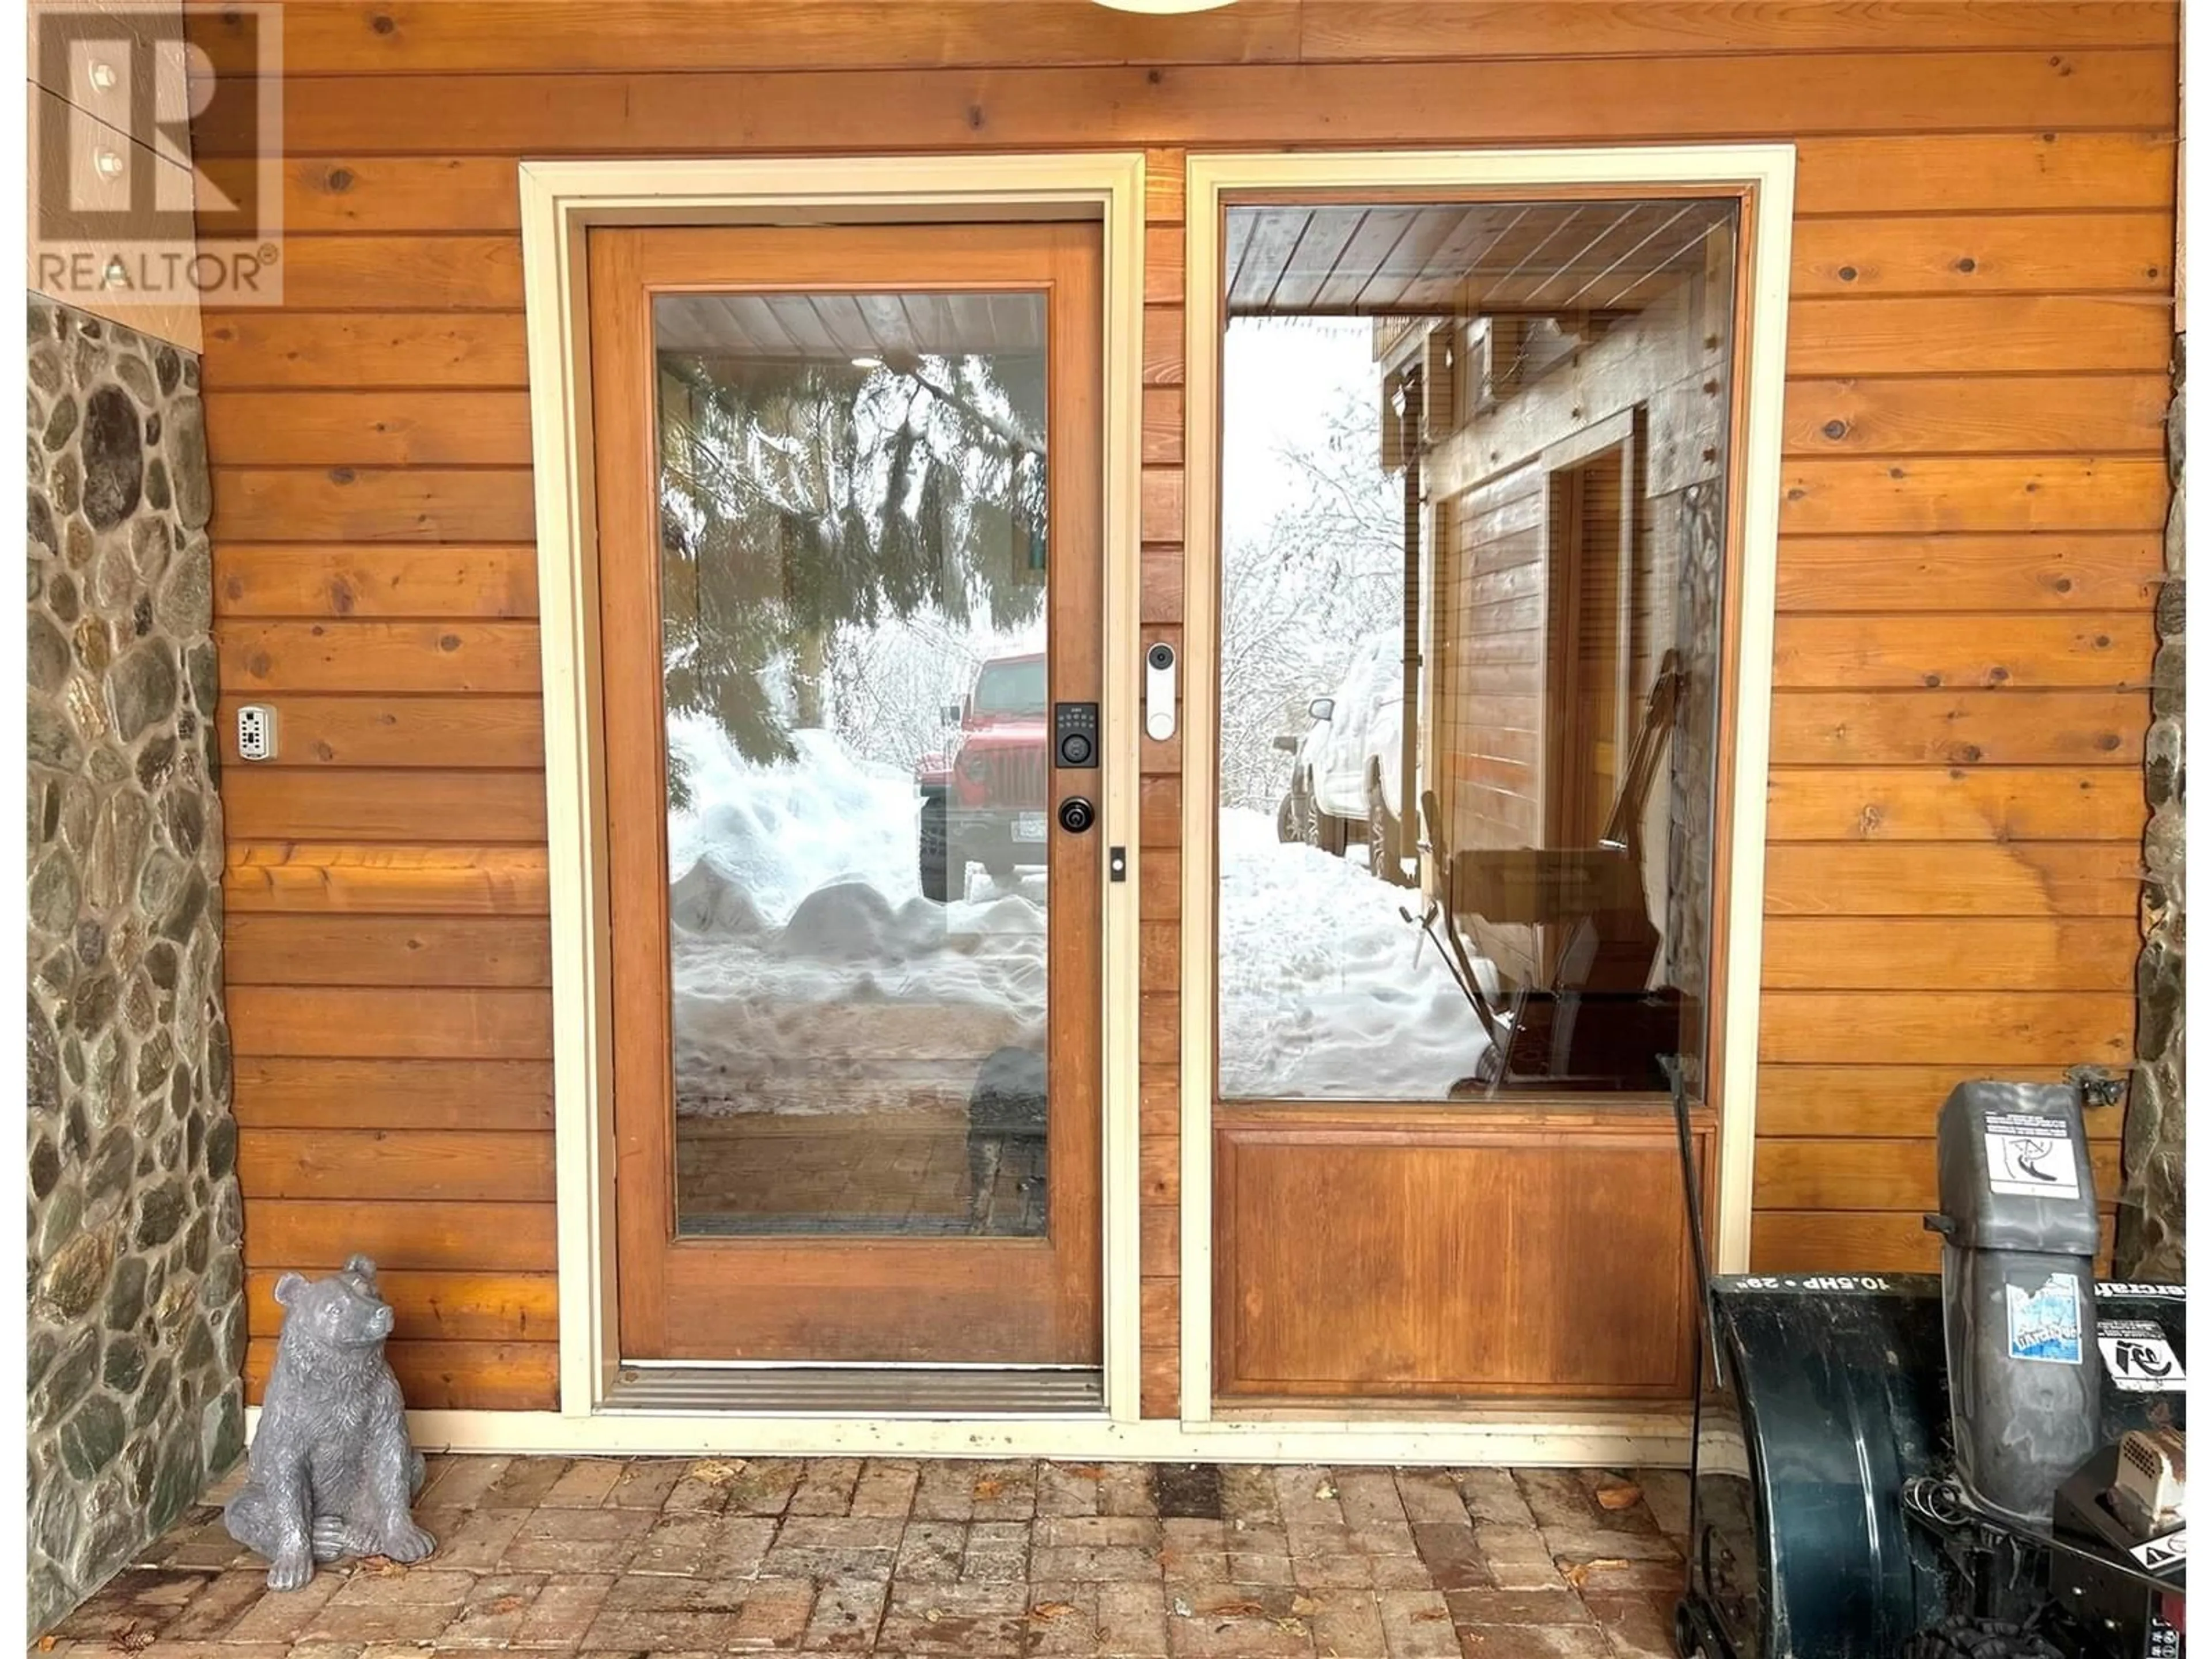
[(1765, 175), (560, 201)]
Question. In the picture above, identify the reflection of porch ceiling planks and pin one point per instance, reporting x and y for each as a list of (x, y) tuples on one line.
[(832, 326), (1389, 258), (1315, 256)]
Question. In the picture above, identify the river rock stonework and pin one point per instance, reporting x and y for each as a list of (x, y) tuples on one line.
[(137, 1314), (2151, 1200)]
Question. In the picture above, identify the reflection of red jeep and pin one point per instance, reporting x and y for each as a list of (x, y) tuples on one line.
[(983, 801)]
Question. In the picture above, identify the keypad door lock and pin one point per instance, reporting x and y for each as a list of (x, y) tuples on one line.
[(1077, 815), (1075, 734)]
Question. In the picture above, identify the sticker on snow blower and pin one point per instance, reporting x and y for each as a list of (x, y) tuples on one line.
[(2159, 1553), (2045, 1324), (2032, 1156), (2137, 1357)]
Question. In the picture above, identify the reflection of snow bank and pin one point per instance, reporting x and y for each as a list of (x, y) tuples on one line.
[(798, 910), (1322, 992), (810, 974)]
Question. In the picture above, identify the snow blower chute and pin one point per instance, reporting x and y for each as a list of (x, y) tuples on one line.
[(1985, 1463)]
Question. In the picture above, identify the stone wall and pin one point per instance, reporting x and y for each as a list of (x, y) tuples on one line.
[(137, 1316), (2152, 1196)]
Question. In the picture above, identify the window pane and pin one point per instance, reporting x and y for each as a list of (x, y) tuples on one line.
[(1474, 464), (852, 562)]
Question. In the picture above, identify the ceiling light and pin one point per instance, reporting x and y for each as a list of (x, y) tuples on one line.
[(867, 362), (1162, 7)]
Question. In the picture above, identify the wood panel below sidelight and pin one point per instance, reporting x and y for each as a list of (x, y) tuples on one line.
[(1441, 1254)]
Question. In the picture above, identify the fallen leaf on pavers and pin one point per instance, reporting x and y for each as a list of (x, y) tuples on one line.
[(1183, 1609), (1291, 1626), (1619, 1495), (1045, 1612), (46, 1643), (1238, 1609), (130, 1640), (932, 1614), (1578, 1573), (716, 1471), (1303, 1604), (989, 1486), (1324, 1490), (1083, 1471), (1430, 1616), (382, 1566), (508, 1604)]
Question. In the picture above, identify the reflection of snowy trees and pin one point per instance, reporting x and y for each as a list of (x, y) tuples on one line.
[(805, 505), (1296, 602)]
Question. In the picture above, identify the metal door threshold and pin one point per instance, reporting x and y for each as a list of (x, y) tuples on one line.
[(855, 1391)]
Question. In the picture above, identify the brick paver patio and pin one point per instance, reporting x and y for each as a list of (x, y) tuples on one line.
[(895, 1557)]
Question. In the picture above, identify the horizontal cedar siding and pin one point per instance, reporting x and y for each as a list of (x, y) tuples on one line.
[(1970, 543)]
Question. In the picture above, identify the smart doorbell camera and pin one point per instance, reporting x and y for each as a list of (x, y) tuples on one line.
[(1159, 691)]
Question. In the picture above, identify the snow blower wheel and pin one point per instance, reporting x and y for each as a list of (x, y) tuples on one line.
[(1961, 1638)]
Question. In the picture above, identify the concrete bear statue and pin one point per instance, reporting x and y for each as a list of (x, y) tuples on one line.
[(329, 1474)]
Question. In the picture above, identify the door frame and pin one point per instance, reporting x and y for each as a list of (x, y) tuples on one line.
[(1763, 177), (560, 200)]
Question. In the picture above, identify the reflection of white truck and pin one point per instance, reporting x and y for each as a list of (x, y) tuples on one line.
[(1346, 771)]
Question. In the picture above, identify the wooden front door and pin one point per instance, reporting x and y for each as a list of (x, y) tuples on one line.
[(849, 573)]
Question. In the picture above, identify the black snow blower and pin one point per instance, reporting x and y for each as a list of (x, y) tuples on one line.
[(1987, 1464)]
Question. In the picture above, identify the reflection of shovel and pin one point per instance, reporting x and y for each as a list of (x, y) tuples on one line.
[(2024, 1156)]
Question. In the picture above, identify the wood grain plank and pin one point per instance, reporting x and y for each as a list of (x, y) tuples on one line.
[(374, 504), (1552, 100), (413, 951), (357, 350), (385, 878), (1967, 1029), (1952, 953), (440, 733), (1163, 346), (394, 1094), (370, 429), (254, 656), (1984, 253), (1884, 1100), (441, 1307), (1866, 1174), (1960, 728), (1412, 29), (1800, 1240), (356, 1022), (2026, 878), (1162, 427), (2062, 571), (396, 1165), (1929, 494), (429, 1236), (446, 582), (380, 194), (1955, 803), (2010, 334), (1963, 172), (2110, 650), (1962, 415), (1159, 1247), (416, 37), (1164, 187), (1160, 507), (400, 273), (271, 803), (485, 1377)]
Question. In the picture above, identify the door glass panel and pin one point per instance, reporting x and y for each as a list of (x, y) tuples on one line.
[(853, 514)]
